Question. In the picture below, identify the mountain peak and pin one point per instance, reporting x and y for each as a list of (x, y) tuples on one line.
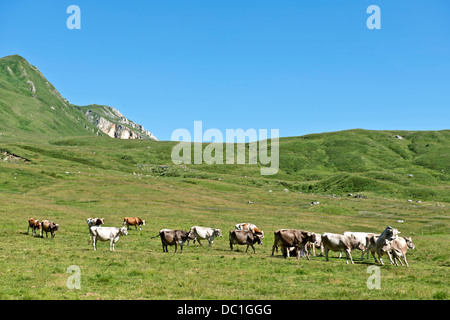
[(30, 104)]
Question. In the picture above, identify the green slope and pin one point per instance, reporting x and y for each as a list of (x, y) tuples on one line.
[(30, 105)]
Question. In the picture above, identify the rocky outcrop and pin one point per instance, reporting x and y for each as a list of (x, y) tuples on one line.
[(113, 123)]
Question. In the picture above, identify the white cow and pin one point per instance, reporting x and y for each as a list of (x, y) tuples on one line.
[(110, 234), (202, 233), (339, 242)]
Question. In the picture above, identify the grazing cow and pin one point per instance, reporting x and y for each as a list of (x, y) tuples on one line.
[(131, 221), (398, 248), (386, 237), (202, 233), (311, 246), (110, 234), (33, 224), (48, 226), (93, 222), (173, 237), (339, 243), (244, 237), (362, 238), (288, 238), (250, 227)]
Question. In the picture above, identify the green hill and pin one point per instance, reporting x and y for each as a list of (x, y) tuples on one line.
[(30, 105), (405, 164)]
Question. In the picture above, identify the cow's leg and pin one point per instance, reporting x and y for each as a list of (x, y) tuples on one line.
[(94, 243), (348, 255), (176, 247), (198, 239), (326, 249), (254, 251), (390, 257), (247, 248), (231, 246), (404, 259), (273, 249), (362, 256), (29, 228), (307, 255), (379, 256), (373, 255)]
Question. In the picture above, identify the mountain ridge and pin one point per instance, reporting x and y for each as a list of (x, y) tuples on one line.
[(30, 104)]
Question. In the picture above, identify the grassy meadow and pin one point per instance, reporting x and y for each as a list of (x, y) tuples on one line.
[(72, 178)]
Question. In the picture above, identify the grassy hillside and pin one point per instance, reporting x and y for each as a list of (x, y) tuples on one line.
[(54, 166), (70, 179)]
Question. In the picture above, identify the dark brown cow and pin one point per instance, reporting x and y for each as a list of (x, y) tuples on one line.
[(133, 221), (173, 237), (33, 224), (292, 238), (243, 237), (48, 226)]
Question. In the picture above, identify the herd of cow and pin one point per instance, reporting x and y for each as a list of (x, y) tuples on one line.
[(292, 242)]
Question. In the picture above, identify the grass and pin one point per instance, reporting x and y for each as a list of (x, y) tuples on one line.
[(35, 268)]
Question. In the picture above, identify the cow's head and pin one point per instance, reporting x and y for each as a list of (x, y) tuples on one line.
[(217, 232), (258, 238), (99, 221), (123, 230), (54, 227), (409, 243), (311, 237), (386, 245), (143, 222), (391, 233)]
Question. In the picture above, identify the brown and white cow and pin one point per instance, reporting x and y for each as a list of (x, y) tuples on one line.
[(173, 237), (33, 224), (341, 243), (133, 221), (94, 222), (244, 237), (250, 227), (398, 249), (384, 240), (292, 238), (48, 226)]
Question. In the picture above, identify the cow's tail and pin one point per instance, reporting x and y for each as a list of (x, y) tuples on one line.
[(156, 236)]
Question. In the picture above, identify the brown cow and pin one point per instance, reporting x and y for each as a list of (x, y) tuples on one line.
[(133, 221), (243, 237), (173, 237), (48, 226), (33, 224), (292, 238)]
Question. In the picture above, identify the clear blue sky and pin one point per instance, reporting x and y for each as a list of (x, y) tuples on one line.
[(297, 66)]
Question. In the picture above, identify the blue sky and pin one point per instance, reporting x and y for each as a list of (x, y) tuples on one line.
[(297, 66)]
